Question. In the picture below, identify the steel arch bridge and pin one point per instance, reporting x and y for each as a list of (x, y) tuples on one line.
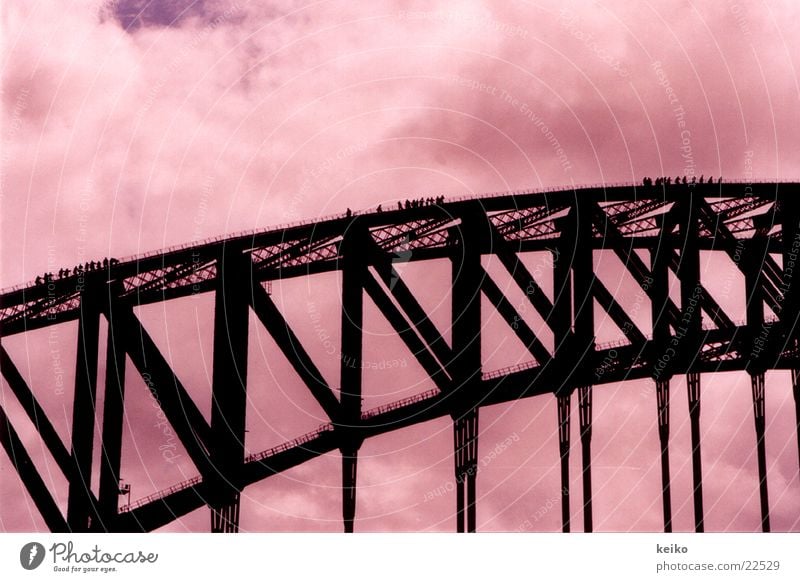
[(655, 230)]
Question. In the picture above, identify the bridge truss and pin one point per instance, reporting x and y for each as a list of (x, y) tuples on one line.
[(655, 231)]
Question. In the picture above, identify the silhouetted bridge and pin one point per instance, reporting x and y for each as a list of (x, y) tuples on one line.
[(654, 230)]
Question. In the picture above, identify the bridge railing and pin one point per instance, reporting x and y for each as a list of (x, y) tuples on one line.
[(301, 440), (400, 403), (509, 370), (161, 494)]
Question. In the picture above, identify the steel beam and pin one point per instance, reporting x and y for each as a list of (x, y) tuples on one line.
[(36, 413), (293, 350), (562, 324), (465, 367), (758, 341), (759, 414), (418, 347), (30, 477), (772, 281), (180, 410), (790, 231), (354, 276), (82, 514), (229, 387), (688, 272), (113, 418), (796, 392), (617, 313), (583, 279), (513, 318), (623, 248), (563, 405), (522, 276), (693, 391), (662, 396), (465, 440), (585, 410), (349, 484), (422, 324)]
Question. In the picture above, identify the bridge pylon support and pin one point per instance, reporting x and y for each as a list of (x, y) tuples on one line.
[(564, 404), (465, 366), (349, 469), (113, 416), (225, 516), (790, 314), (693, 390), (662, 399), (229, 387), (757, 382), (465, 433), (796, 391), (354, 274), (82, 515), (585, 411)]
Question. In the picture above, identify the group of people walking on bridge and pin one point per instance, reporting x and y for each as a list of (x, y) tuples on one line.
[(76, 270), (419, 202), (667, 180)]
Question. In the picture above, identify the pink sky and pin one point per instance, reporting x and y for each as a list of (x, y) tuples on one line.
[(234, 115)]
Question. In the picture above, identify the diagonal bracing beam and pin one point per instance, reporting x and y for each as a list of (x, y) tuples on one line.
[(35, 413), (409, 304), (416, 345), (180, 410), (707, 302), (507, 310), (39, 419), (521, 275), (290, 345), (624, 250), (617, 314), (30, 477)]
